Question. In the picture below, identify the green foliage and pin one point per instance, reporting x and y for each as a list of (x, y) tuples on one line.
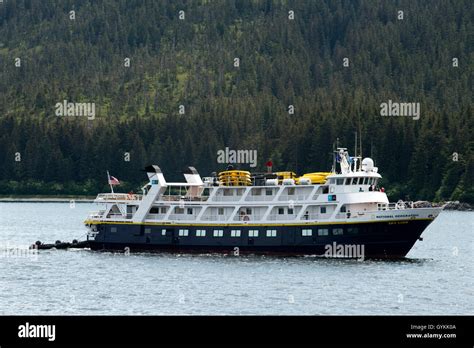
[(191, 62)]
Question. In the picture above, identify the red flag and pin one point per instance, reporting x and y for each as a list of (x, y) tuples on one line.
[(269, 164)]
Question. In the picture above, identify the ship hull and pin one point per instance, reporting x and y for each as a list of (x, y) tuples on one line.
[(391, 239)]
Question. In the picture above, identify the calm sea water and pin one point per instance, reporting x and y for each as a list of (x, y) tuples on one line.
[(437, 277)]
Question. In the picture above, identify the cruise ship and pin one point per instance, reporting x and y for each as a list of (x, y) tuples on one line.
[(237, 212)]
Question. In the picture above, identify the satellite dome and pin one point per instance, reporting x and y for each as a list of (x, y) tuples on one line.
[(367, 164)]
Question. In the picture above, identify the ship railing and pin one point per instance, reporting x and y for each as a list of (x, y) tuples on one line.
[(395, 206), (313, 216), (155, 216), (293, 198), (101, 197), (215, 218), (263, 198), (276, 217), (246, 217), (182, 217), (96, 214), (227, 198), (178, 198)]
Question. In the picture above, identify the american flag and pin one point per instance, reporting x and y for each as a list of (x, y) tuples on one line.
[(113, 180)]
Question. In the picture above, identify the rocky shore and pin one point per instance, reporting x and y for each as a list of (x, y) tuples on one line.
[(450, 205)]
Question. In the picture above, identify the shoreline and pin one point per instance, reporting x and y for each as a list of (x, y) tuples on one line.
[(46, 199)]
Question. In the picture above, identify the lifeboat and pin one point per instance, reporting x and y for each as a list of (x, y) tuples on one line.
[(235, 178), (285, 175), (316, 178)]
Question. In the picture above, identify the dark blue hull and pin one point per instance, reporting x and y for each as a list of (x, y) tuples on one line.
[(392, 239)]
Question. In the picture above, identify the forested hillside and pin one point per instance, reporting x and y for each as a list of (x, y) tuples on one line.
[(187, 59)]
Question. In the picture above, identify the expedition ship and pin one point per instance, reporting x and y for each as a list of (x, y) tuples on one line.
[(277, 213)]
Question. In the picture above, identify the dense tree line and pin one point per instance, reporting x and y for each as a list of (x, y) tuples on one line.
[(189, 61)]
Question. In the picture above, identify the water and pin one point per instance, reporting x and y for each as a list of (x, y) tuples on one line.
[(437, 277)]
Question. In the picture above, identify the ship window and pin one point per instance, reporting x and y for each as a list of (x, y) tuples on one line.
[(331, 181), (179, 210), (271, 233), (220, 211), (323, 232), (190, 211), (352, 230), (268, 192), (228, 192), (113, 229), (163, 210), (200, 233), (290, 210), (291, 191), (253, 233), (235, 233), (163, 232), (183, 233), (348, 181), (281, 211), (343, 209), (154, 210), (249, 211), (337, 231), (365, 181), (325, 189), (354, 181), (323, 210), (306, 232), (218, 233), (340, 181), (257, 192), (147, 230)]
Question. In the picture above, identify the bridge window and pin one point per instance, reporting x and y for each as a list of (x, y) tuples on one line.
[(339, 181)]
